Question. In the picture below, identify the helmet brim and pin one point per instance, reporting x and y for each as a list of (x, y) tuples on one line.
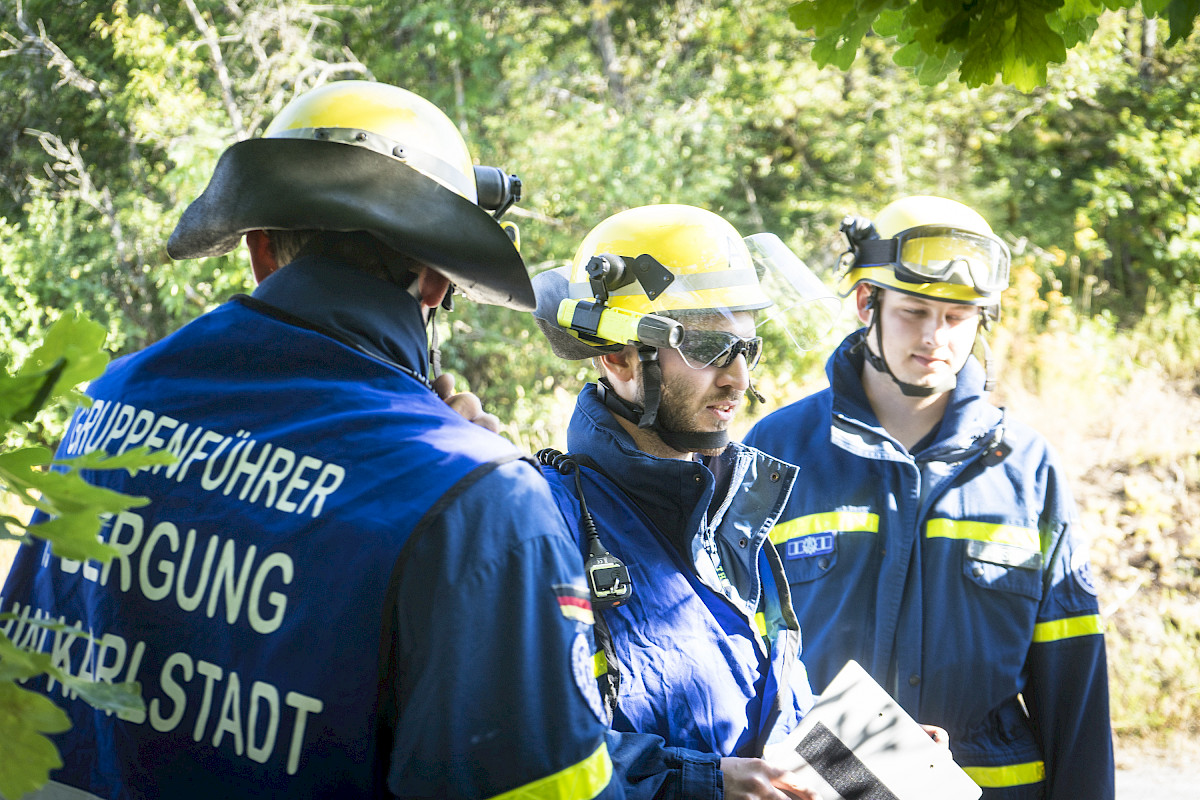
[(884, 278), (300, 184)]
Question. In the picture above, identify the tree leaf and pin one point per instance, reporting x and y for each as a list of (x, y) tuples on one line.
[(118, 698), (77, 343), (74, 536), (67, 492), (22, 396), (19, 664), (29, 756), (130, 460), (1181, 15)]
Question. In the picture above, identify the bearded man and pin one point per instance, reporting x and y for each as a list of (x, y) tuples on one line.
[(698, 642)]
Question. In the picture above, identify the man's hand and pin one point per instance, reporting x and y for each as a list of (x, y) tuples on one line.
[(755, 779), (466, 404), (939, 735)]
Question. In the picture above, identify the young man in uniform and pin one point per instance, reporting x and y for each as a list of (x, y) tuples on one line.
[(932, 538), (341, 588), (699, 643)]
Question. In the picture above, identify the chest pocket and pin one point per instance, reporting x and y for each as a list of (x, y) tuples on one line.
[(808, 545), (1004, 567), (1001, 557)]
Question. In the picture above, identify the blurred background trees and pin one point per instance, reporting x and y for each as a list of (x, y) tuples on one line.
[(114, 113)]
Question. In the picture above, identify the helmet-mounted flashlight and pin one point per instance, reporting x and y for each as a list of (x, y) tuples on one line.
[(597, 323)]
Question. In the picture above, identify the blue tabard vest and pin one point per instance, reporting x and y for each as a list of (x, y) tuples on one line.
[(258, 578)]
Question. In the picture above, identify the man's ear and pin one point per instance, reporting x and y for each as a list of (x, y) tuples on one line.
[(262, 255), (621, 366), (862, 302), (431, 287)]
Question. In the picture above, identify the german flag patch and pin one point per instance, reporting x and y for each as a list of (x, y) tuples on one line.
[(575, 603)]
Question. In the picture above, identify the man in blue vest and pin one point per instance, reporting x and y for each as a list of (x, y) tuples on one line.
[(698, 641), (930, 537), (341, 588)]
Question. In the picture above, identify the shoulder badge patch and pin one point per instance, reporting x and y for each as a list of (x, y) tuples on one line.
[(583, 667), (575, 603), (1081, 568)]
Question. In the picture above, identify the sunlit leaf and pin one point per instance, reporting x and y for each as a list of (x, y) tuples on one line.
[(28, 755), (130, 460)]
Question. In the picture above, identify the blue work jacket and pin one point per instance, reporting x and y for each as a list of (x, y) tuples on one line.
[(705, 653), (341, 589), (957, 575)]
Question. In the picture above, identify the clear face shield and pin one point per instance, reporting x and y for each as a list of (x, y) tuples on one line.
[(711, 311), (803, 309)]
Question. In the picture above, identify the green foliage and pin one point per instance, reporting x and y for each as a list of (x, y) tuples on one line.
[(71, 354), (25, 719), (1013, 40)]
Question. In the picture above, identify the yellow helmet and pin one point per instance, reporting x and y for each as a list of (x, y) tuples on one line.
[(366, 156), (384, 118), (928, 246), (638, 271), (683, 258)]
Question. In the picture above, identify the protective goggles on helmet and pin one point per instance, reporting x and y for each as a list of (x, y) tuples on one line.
[(938, 254), (707, 348)]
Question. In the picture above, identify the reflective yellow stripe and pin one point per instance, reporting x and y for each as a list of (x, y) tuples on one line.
[(599, 663), (1012, 775), (1068, 628), (983, 532), (760, 621), (825, 521), (583, 780)]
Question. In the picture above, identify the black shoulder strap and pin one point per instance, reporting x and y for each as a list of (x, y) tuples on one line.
[(609, 681)]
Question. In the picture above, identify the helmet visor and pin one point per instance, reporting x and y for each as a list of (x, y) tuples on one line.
[(803, 310), (930, 254)]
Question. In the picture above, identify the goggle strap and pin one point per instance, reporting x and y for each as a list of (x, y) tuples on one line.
[(877, 252)]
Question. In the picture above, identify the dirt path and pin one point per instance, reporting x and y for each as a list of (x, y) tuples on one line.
[(1159, 773)]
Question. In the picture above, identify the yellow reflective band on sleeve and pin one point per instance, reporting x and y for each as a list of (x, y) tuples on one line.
[(826, 521), (1067, 628), (599, 663), (1012, 775), (983, 532), (578, 782)]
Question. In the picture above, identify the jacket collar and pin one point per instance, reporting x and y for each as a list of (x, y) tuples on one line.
[(668, 491), (366, 312)]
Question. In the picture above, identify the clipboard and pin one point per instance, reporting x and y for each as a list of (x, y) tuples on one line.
[(857, 743)]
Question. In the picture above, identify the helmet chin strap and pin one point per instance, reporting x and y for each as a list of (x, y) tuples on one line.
[(646, 416)]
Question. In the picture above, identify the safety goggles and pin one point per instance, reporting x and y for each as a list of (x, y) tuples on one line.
[(935, 254), (706, 348)]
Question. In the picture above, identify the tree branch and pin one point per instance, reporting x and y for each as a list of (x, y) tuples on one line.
[(38, 43), (218, 62)]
